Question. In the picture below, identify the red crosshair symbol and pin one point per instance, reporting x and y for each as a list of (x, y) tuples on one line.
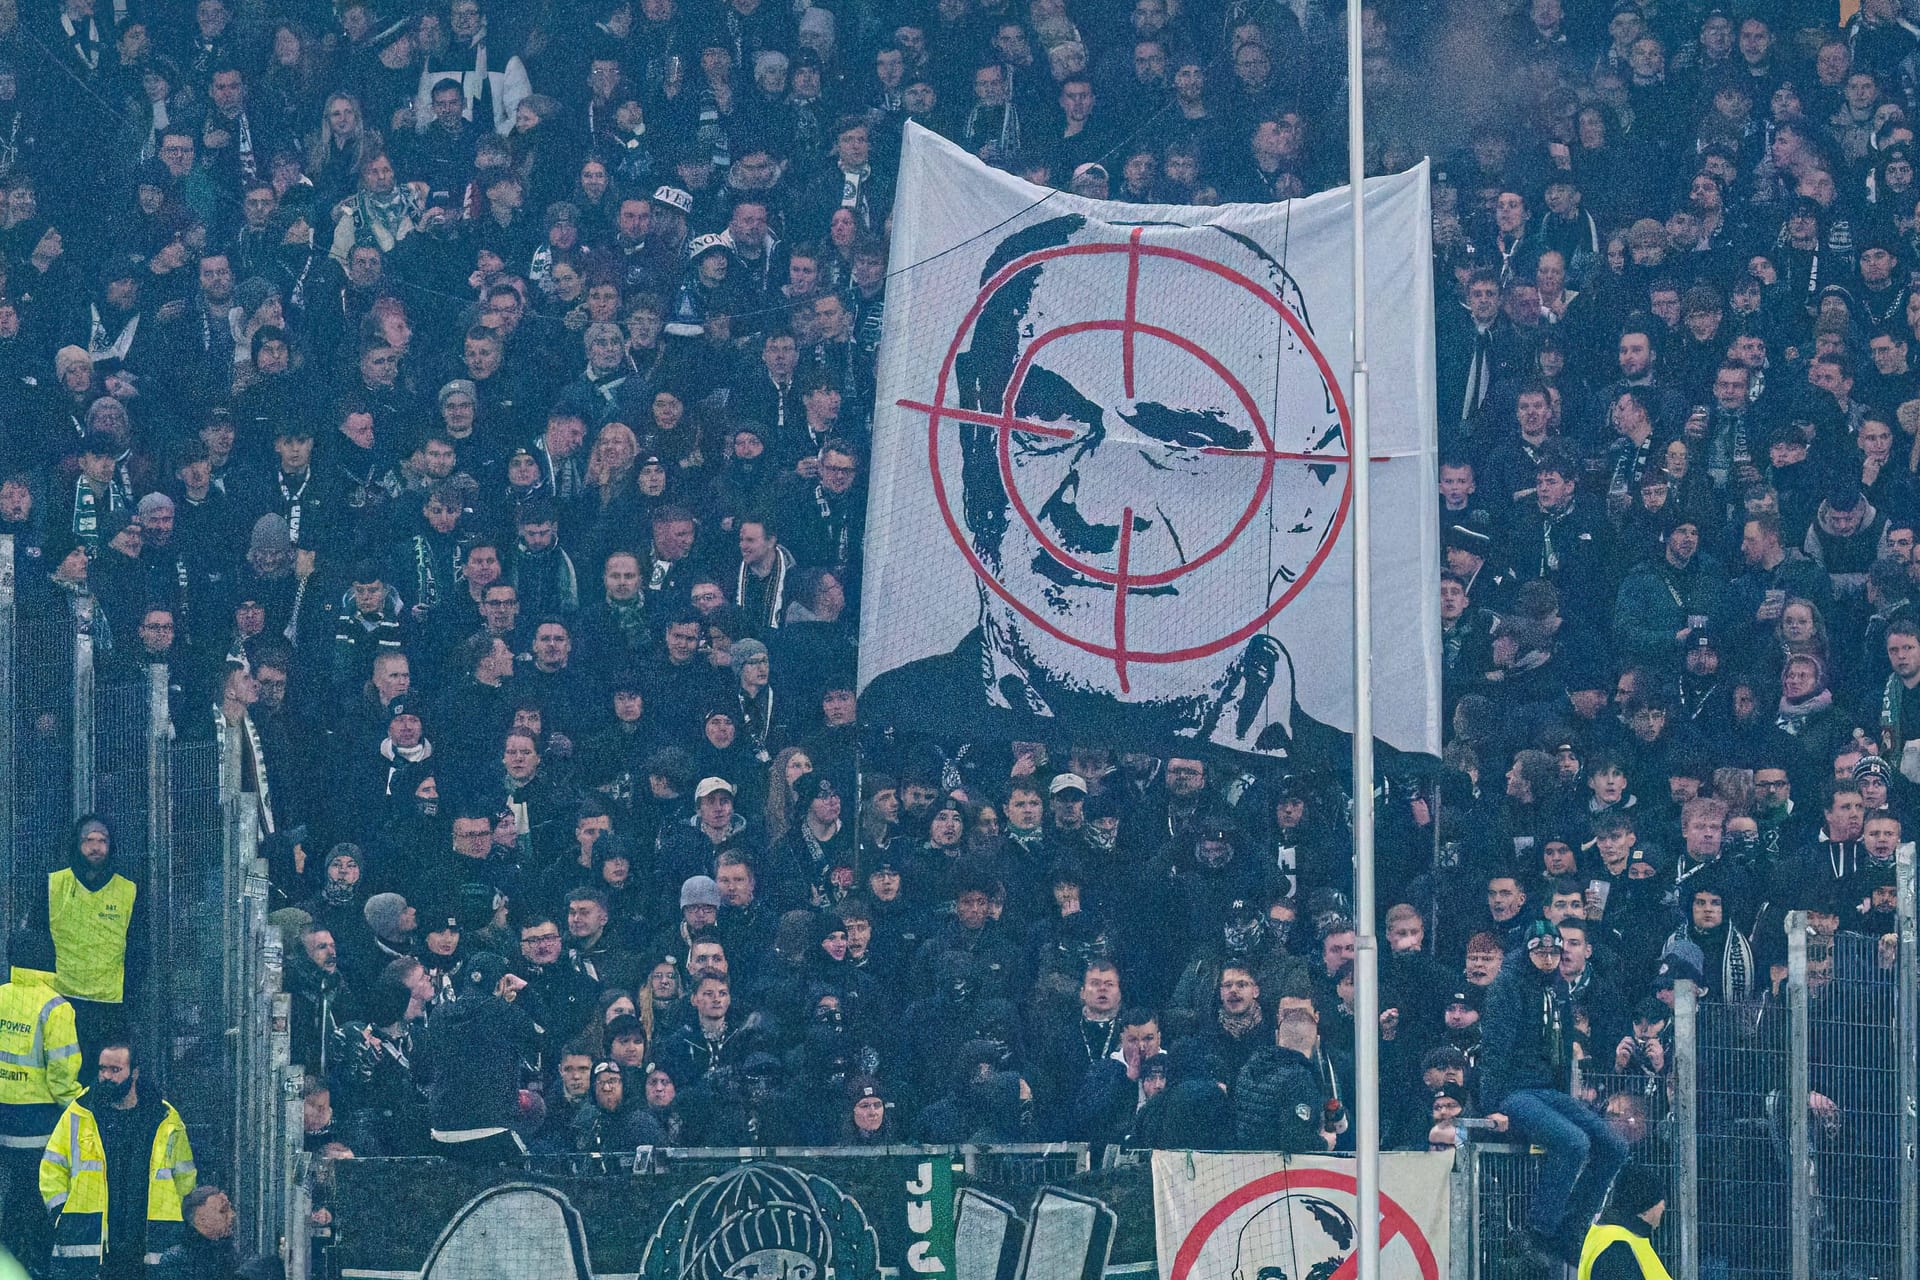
[(1122, 578), (1395, 1222)]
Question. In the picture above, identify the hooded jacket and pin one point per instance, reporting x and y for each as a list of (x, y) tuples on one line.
[(1526, 1037)]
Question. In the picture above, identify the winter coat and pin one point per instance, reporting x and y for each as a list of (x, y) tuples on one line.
[(478, 1045), (1515, 1052), (1277, 1103)]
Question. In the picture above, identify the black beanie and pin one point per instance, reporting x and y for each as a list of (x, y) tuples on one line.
[(1636, 1190)]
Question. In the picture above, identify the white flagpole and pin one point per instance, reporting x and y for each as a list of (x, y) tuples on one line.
[(1366, 1021)]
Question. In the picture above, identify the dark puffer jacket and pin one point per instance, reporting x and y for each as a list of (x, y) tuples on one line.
[(1277, 1103)]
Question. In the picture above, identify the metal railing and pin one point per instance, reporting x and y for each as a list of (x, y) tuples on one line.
[(1784, 1127), (83, 731)]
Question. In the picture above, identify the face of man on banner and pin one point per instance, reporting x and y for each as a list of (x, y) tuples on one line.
[(1131, 508)]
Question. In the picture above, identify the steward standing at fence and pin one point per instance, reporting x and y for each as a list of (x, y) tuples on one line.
[(1620, 1245), (39, 1076), (91, 911), (115, 1173)]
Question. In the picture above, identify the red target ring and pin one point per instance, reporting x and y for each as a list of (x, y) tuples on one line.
[(1132, 329)]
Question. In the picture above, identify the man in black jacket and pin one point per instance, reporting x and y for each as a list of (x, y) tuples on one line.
[(1526, 1059), (480, 1043), (1280, 1100)]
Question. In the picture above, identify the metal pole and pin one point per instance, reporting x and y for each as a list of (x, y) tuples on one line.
[(1908, 1058), (1366, 1017), (289, 1189), (1460, 1208), (1686, 1112), (159, 889), (1472, 1152), (1799, 1131), (8, 710), (240, 934), (83, 705)]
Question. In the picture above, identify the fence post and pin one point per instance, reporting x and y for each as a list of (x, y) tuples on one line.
[(289, 1133), (8, 703), (1476, 1198), (274, 1084), (244, 914), (159, 887), (1908, 1057), (1799, 1128), (1460, 1212), (83, 705), (1686, 1112)]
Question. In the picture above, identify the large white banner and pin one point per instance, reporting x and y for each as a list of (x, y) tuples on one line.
[(1272, 1217), (1111, 493)]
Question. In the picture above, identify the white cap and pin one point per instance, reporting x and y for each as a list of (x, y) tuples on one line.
[(1067, 782), (674, 197), (710, 785)]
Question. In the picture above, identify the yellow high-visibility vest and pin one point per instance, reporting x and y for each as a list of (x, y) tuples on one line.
[(39, 1060), (73, 1183), (90, 935), (1604, 1236)]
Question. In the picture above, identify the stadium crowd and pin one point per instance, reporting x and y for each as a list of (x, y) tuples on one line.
[(469, 404)]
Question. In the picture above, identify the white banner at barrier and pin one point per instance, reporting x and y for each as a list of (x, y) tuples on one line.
[(1111, 478), (1264, 1217)]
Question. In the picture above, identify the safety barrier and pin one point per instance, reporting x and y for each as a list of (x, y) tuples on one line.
[(86, 727), (1784, 1126)]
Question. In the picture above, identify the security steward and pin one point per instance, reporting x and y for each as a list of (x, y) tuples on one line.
[(39, 1076), (92, 910), (114, 1174), (1620, 1245)]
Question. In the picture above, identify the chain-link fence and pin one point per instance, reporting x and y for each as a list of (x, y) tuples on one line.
[(1853, 1075), (1784, 1127), (42, 660), (83, 728), (191, 899), (1501, 1180), (1639, 1107), (1742, 1140), (120, 785)]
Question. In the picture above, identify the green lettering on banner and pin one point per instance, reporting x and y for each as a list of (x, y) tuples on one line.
[(929, 1204)]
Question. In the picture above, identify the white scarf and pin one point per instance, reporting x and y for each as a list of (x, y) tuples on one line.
[(220, 730)]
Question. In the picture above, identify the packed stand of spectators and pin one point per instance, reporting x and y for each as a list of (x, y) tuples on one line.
[(469, 404)]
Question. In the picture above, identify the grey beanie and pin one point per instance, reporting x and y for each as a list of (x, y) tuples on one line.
[(699, 891), (745, 651), (270, 533), (382, 914)]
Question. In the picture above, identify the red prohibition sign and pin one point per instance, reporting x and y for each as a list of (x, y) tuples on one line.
[(1131, 330), (1395, 1222)]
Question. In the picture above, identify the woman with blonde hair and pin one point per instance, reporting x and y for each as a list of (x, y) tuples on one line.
[(338, 149), (787, 768), (610, 464)]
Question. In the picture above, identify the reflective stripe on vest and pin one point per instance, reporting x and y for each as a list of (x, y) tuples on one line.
[(90, 935), (1601, 1238), (29, 1110), (83, 1202)]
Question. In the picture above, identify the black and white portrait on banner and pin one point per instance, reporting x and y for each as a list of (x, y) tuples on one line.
[(1112, 489)]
